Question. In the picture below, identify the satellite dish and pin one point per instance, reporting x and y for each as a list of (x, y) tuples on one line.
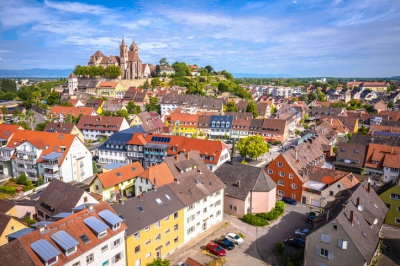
[(376, 221), (360, 208)]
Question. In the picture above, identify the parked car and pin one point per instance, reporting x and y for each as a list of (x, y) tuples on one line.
[(225, 243), (289, 201), (311, 217), (295, 242), (301, 232), (235, 238), (215, 249)]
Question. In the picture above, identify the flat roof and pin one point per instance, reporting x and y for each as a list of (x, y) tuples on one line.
[(315, 185)]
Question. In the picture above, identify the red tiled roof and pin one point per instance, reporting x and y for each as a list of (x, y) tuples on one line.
[(392, 160), (119, 175), (74, 111), (107, 84), (137, 139), (6, 131), (160, 172), (110, 123), (377, 152)]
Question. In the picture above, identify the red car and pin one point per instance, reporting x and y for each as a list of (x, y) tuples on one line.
[(215, 249)]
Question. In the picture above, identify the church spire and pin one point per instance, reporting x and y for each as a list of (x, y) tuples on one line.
[(123, 42)]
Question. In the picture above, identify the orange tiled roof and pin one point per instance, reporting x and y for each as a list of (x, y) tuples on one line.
[(392, 160), (11, 129), (107, 84), (377, 152), (137, 139), (160, 172), (182, 117), (119, 175), (74, 111)]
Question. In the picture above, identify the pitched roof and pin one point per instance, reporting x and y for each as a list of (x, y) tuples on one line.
[(191, 262), (6, 131), (74, 111), (59, 127), (5, 206), (241, 179), (392, 160), (240, 114), (107, 84), (4, 220), (351, 152), (241, 123), (58, 197), (111, 123), (75, 226), (136, 220), (159, 173), (274, 125), (120, 138), (325, 175), (137, 139), (366, 140), (377, 153), (393, 115), (13, 253), (120, 175)]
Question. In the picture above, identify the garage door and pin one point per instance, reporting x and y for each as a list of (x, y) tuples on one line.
[(315, 203)]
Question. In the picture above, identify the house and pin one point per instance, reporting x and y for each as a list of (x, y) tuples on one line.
[(382, 160), (156, 175), (203, 126), (8, 225), (48, 155), (138, 96), (248, 189), (390, 195), (331, 130), (200, 191), (340, 111), (88, 86), (110, 89), (183, 124), (64, 128), (264, 109), (13, 253), (146, 71), (60, 113), (113, 107), (290, 170), (191, 103), (220, 126), (135, 148), (165, 70), (347, 232), (392, 115), (94, 235), (76, 102), (59, 197), (394, 97), (114, 149), (375, 86), (94, 127), (350, 157), (96, 104), (116, 183), (147, 122), (274, 129), (155, 223), (240, 127), (380, 106), (6, 133), (350, 122), (324, 184)]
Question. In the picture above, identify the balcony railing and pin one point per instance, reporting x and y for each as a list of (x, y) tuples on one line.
[(32, 178), (26, 152), (53, 175), (28, 161), (5, 158), (30, 170), (50, 166)]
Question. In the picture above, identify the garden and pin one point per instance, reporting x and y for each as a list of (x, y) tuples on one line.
[(263, 219), (14, 185)]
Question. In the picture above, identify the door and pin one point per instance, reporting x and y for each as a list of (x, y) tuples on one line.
[(204, 227), (304, 200), (315, 202), (158, 253)]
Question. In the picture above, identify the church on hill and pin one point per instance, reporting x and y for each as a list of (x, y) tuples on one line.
[(128, 60)]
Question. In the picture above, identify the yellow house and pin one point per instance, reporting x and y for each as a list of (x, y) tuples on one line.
[(155, 225), (183, 124), (110, 89), (8, 225), (390, 195), (135, 121), (120, 180)]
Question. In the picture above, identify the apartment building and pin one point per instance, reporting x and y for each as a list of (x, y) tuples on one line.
[(94, 127), (191, 103), (6, 133)]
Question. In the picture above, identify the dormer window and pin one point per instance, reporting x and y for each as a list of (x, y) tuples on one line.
[(116, 226), (218, 124), (102, 234), (227, 124), (222, 124), (211, 158), (213, 125), (52, 261), (71, 251)]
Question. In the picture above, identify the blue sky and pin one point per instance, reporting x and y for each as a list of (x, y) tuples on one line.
[(296, 37)]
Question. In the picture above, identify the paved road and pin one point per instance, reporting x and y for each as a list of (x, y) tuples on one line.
[(39, 118)]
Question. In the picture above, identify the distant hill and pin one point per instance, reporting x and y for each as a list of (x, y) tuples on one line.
[(35, 73), (254, 75)]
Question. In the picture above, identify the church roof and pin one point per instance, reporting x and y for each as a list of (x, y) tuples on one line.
[(72, 76), (123, 42), (98, 53), (133, 56)]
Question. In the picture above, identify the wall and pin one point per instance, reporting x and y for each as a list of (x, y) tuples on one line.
[(70, 169), (263, 201), (241, 209), (144, 236), (349, 256), (392, 214), (12, 227), (22, 210), (144, 183)]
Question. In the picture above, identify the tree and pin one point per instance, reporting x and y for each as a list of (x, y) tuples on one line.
[(159, 262), (363, 130), (209, 68), (297, 132), (132, 108), (227, 75), (390, 105), (311, 97), (155, 82), (113, 72), (146, 84), (223, 87), (252, 108), (66, 104), (164, 62), (231, 107), (304, 98), (181, 69), (53, 98), (252, 146), (153, 105), (94, 166), (41, 126), (123, 113), (22, 180)]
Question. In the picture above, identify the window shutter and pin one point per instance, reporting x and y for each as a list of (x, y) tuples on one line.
[(328, 238), (340, 243), (330, 256), (318, 250)]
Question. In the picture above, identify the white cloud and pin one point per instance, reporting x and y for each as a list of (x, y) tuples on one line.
[(75, 7)]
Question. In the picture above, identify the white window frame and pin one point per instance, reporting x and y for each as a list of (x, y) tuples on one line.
[(281, 183), (281, 173), (270, 171)]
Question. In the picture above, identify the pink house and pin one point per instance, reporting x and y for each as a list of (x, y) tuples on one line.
[(248, 189)]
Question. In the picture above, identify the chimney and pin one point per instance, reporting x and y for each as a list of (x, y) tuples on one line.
[(331, 121), (351, 217), (344, 207), (155, 186), (295, 154), (369, 187), (188, 155), (358, 202), (238, 183), (177, 157)]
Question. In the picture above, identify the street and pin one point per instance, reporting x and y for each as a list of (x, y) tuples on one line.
[(39, 119)]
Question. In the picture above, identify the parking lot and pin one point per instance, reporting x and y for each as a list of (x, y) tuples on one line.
[(258, 248)]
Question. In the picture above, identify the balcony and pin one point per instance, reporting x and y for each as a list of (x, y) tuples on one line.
[(5, 158), (51, 175), (26, 152), (28, 161), (53, 167), (30, 170), (32, 178)]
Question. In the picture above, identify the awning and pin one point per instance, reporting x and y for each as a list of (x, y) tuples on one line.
[(52, 156)]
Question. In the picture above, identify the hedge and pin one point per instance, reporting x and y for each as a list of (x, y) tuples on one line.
[(261, 219), (254, 220), (8, 190)]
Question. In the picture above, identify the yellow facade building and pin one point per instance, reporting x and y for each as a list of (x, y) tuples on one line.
[(9, 225), (182, 124), (155, 225), (110, 89)]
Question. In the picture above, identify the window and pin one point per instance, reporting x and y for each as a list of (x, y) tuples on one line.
[(190, 207), (117, 257), (291, 176), (157, 224), (281, 173), (176, 215), (52, 261), (388, 205), (147, 228), (190, 230), (218, 192), (230, 207), (158, 237), (90, 258), (136, 235), (218, 213), (205, 210), (166, 218), (281, 183), (338, 186), (176, 240), (97, 187), (102, 234), (397, 220), (211, 158), (191, 218), (294, 186), (325, 238), (116, 226), (234, 208), (77, 264), (270, 171), (324, 253), (342, 243), (137, 249), (334, 227), (175, 227), (167, 231), (167, 244), (205, 199), (395, 196), (116, 242), (148, 242), (280, 164), (105, 248), (217, 203), (281, 193)]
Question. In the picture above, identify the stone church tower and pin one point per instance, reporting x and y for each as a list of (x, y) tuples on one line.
[(123, 57)]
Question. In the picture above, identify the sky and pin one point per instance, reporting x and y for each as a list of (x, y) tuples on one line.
[(300, 38)]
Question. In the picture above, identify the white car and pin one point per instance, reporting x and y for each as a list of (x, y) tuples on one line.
[(234, 238), (301, 232)]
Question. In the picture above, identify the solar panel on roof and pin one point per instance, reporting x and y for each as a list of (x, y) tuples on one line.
[(140, 208), (85, 239), (64, 240), (45, 250), (110, 217), (96, 225)]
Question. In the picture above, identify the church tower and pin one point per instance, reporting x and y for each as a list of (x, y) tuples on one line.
[(134, 48), (123, 55), (72, 83)]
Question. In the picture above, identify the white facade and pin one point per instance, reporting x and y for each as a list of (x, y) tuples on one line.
[(101, 256), (390, 173), (203, 214), (72, 85), (224, 157), (94, 134), (110, 156)]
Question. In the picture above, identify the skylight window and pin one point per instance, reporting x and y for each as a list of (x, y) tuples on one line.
[(159, 201), (140, 208), (118, 174), (167, 196)]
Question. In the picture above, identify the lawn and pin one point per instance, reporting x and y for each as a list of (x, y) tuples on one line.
[(4, 195)]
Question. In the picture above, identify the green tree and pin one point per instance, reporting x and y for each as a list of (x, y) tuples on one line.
[(304, 98), (123, 113), (112, 72), (227, 75), (223, 87), (181, 69), (252, 146), (132, 108), (41, 126), (390, 105), (66, 104), (209, 68), (94, 166), (146, 84), (159, 262), (153, 105), (164, 62), (231, 107), (22, 180), (363, 130), (53, 98), (311, 97), (252, 108), (155, 82)]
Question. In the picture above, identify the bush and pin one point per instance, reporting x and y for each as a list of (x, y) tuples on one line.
[(312, 214), (279, 247), (216, 262), (12, 179), (21, 180), (8, 190), (254, 220), (275, 213), (241, 235), (28, 219)]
